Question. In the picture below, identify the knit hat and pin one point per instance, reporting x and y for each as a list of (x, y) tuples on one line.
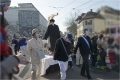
[(69, 36), (34, 31), (85, 30)]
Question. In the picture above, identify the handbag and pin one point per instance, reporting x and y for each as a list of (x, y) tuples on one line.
[(26, 70), (107, 60), (41, 54)]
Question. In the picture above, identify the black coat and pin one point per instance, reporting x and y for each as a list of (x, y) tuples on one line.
[(94, 47), (83, 47), (59, 52), (54, 33)]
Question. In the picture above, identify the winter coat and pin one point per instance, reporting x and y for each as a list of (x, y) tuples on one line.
[(101, 57), (59, 52)]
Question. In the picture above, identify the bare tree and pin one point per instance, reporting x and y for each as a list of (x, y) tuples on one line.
[(71, 23)]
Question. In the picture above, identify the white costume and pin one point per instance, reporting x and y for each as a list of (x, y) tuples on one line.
[(78, 56), (33, 46)]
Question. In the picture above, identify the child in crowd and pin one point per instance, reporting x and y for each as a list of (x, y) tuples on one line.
[(110, 58), (100, 58)]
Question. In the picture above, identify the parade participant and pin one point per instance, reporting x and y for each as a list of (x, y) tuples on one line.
[(62, 53), (84, 45), (33, 46), (53, 33)]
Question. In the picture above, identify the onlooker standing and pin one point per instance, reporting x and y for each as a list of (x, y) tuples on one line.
[(84, 45), (22, 44), (111, 57), (16, 46), (100, 41), (7, 62), (100, 58), (94, 47), (78, 56)]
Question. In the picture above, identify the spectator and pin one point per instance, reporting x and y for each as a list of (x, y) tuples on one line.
[(11, 61), (111, 57), (100, 58), (100, 41), (94, 47)]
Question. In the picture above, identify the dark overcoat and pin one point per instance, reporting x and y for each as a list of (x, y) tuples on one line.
[(54, 33)]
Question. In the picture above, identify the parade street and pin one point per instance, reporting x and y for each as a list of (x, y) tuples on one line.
[(74, 74)]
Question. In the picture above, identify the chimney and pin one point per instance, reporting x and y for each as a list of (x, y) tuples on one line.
[(90, 10)]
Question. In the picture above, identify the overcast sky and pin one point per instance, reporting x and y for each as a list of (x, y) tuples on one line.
[(65, 7)]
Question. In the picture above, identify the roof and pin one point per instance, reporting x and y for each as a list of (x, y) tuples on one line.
[(89, 15), (110, 10)]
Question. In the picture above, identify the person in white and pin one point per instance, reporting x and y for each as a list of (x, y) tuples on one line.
[(78, 56), (33, 46)]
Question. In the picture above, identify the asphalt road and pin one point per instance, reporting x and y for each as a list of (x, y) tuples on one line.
[(74, 74)]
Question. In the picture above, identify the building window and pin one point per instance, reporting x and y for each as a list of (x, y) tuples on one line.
[(85, 22), (108, 22), (90, 30), (88, 22)]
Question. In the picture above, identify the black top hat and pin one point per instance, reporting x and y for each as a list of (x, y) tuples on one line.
[(52, 20)]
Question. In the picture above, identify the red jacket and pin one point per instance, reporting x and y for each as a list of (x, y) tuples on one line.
[(111, 57), (3, 45)]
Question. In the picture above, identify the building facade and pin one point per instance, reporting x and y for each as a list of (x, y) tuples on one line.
[(97, 21), (25, 16), (112, 16), (91, 20)]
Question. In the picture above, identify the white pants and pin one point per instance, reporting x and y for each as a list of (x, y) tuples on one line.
[(78, 58), (63, 67), (36, 68), (23, 50), (109, 66), (13, 45)]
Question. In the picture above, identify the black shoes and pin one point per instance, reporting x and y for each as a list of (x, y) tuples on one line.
[(89, 78), (84, 75)]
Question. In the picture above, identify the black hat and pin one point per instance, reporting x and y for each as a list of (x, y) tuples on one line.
[(52, 20)]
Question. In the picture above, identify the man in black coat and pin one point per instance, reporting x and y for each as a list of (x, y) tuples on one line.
[(62, 53), (84, 45), (54, 33)]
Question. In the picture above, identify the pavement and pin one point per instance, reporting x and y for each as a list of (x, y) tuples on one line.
[(74, 74)]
